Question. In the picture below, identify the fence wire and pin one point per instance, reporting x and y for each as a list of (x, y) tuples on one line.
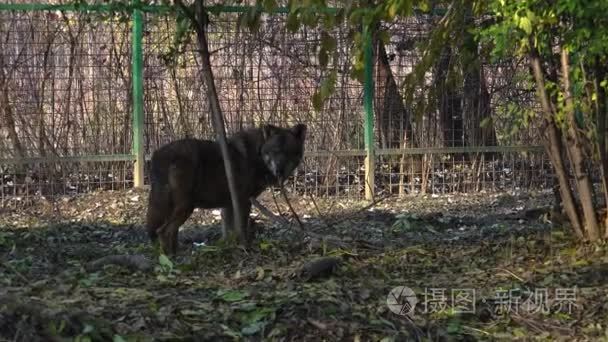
[(66, 86), (65, 90)]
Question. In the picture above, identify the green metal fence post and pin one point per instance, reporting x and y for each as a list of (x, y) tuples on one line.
[(138, 98), (368, 105)]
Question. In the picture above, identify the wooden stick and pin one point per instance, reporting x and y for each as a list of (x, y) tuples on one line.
[(291, 208), (275, 218)]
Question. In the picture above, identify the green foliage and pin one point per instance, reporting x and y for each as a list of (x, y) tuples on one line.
[(516, 118), (252, 18), (165, 263), (254, 319), (404, 222), (454, 327), (231, 295), (4, 239), (118, 338), (508, 29), (452, 34), (359, 16), (325, 90), (88, 279), (165, 269), (580, 27), (328, 45), (181, 38)]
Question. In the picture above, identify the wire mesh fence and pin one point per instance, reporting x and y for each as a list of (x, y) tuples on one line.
[(263, 77), (66, 90)]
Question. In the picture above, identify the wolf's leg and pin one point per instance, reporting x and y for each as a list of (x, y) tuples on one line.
[(181, 178), (227, 222), (169, 241), (159, 208), (244, 230)]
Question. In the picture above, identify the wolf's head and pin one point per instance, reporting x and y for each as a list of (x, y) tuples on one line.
[(283, 149)]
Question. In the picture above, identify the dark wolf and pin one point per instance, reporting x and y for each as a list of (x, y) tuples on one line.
[(189, 173)]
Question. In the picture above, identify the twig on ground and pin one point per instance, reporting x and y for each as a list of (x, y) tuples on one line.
[(321, 216), (291, 208), (275, 218), (317, 324), (282, 221), (511, 274)]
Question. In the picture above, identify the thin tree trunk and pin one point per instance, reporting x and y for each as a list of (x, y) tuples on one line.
[(476, 98), (577, 155), (201, 21), (5, 108), (43, 139), (8, 117), (68, 100), (554, 147), (600, 109), (390, 110), (449, 103), (402, 164), (126, 79)]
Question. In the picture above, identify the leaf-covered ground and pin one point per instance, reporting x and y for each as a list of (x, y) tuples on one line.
[(482, 267)]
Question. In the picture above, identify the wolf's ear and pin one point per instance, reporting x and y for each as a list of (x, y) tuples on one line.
[(299, 131), (269, 130)]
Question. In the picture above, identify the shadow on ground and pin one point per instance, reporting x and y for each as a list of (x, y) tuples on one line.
[(454, 253)]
